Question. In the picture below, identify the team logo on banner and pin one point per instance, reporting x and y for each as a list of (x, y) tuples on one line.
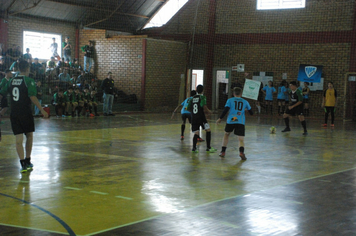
[(251, 89), (310, 73), (310, 70)]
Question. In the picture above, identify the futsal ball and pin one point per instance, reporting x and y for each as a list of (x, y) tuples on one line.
[(273, 130)]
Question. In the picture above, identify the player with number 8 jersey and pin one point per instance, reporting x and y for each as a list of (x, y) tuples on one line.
[(197, 105)]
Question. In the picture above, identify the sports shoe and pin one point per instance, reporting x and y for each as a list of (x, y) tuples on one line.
[(332, 125), (222, 154), (105, 114), (305, 133), (23, 169), (181, 137), (286, 130), (324, 125), (96, 114), (211, 150), (63, 116), (243, 156), (195, 150), (28, 163), (23, 166), (200, 140), (91, 115)]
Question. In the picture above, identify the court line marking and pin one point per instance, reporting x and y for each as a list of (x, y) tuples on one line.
[(127, 198), (31, 228), (96, 192), (71, 188), (59, 220), (220, 200), (128, 224)]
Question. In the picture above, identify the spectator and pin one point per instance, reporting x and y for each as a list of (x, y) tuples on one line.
[(79, 100), (38, 68), (39, 97), (81, 77), (64, 79), (32, 68), (66, 64), (73, 80), (94, 103), (59, 103), (12, 55), (15, 67), (70, 102), (88, 55), (27, 55), (54, 47), (2, 67), (67, 50), (108, 89), (75, 65), (4, 81), (51, 66)]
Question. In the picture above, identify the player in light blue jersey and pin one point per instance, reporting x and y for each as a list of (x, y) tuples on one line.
[(269, 91), (236, 107), (281, 97), (186, 114)]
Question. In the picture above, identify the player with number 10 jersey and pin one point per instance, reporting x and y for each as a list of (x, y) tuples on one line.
[(237, 107)]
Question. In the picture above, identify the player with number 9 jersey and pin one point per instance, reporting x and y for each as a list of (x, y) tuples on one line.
[(21, 89)]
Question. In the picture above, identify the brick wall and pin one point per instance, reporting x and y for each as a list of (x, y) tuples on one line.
[(239, 25), (122, 55), (16, 26), (165, 63), (242, 17)]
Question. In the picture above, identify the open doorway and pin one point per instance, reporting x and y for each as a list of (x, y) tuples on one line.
[(221, 84), (197, 78)]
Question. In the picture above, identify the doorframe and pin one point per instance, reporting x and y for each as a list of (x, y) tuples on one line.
[(214, 97)]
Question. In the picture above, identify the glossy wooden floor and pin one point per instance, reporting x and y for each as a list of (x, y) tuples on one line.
[(131, 175)]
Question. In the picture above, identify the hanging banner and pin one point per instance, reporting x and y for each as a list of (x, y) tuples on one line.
[(309, 73), (251, 89)]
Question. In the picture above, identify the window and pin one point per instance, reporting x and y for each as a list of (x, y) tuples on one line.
[(166, 13), (39, 44), (279, 4)]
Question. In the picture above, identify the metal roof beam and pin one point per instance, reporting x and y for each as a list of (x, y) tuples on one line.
[(92, 7)]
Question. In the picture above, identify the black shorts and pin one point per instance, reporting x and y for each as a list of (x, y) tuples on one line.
[(305, 100), (22, 124), (281, 100), (238, 129), (186, 116), (286, 102), (296, 111), (196, 126), (4, 102)]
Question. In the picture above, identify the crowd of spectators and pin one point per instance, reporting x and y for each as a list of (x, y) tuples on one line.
[(74, 90)]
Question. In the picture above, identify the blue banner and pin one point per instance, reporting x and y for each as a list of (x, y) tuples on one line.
[(309, 73)]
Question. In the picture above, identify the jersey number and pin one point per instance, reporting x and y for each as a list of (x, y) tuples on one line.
[(195, 108), (15, 94), (238, 106)]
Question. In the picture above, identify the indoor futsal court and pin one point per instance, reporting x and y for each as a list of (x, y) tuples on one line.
[(110, 160), (131, 175)]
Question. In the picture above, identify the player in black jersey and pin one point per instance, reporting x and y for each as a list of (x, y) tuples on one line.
[(295, 107), (23, 92), (197, 106)]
